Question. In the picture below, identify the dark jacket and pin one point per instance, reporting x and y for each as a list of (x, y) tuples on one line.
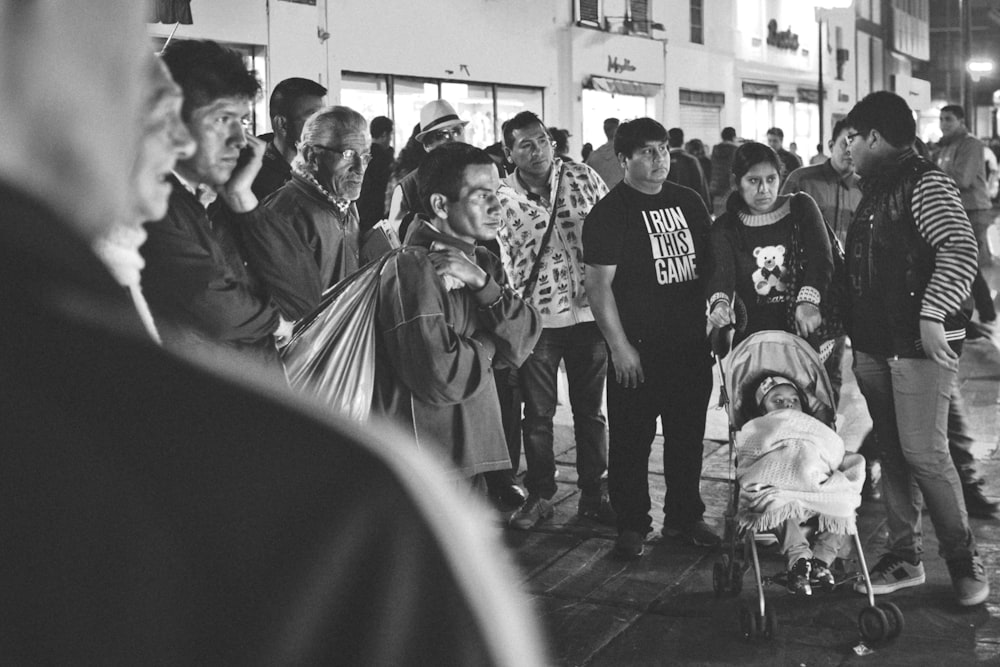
[(274, 172), (304, 247), (722, 167), (685, 170), (158, 512), (371, 204), (436, 349), (911, 255), (199, 290)]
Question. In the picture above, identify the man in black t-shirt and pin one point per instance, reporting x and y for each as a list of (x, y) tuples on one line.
[(645, 246)]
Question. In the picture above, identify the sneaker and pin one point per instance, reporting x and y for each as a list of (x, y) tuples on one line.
[(892, 573), (968, 578), (630, 544), (978, 505), (820, 573), (507, 496), (597, 507), (534, 511), (699, 534), (798, 577)]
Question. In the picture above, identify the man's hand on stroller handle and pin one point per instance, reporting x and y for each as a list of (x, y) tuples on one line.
[(721, 314)]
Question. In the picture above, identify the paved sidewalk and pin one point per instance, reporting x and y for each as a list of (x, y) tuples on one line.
[(661, 609)]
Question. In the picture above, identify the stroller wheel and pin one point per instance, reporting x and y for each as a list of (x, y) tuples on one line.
[(895, 617), (719, 579), (873, 624), (748, 623), (770, 623)]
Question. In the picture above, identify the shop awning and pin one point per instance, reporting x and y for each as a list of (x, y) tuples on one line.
[(171, 11), (622, 86)]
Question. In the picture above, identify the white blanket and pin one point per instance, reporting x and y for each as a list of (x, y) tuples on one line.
[(792, 465)]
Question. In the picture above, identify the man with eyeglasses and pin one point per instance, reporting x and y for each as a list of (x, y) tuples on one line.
[(310, 242), (439, 125), (545, 202), (198, 288), (646, 247), (911, 259)]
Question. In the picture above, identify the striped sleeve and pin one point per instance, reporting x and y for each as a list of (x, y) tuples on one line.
[(942, 222)]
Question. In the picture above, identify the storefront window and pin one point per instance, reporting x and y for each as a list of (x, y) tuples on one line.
[(474, 103), (598, 105), (409, 97), (365, 93), (755, 118), (512, 101)]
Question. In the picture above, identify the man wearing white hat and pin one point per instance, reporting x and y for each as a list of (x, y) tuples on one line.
[(439, 125)]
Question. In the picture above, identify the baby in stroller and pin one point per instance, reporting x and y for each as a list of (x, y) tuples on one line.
[(791, 467)]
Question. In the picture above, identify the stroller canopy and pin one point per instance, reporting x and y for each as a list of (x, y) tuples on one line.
[(777, 353)]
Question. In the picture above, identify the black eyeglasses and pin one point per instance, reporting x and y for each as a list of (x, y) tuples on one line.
[(348, 154), (850, 136), (447, 134)]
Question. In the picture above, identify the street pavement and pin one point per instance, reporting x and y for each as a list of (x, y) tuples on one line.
[(662, 610)]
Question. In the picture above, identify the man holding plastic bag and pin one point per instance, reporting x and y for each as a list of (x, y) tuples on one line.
[(446, 317)]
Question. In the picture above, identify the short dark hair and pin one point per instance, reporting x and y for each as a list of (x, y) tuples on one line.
[(610, 127), (633, 134), (207, 71), (954, 109), (889, 114), (776, 131), (443, 170), (728, 133), (747, 155), (838, 127), (288, 92), (521, 121), (380, 125), (675, 137)]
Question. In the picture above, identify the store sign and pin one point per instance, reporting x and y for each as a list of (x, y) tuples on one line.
[(619, 66), (782, 40)]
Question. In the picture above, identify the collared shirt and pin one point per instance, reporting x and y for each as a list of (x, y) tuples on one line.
[(837, 196), (559, 293), (205, 194)]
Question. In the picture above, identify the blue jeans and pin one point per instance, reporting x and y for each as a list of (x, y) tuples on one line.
[(908, 400), (582, 348)]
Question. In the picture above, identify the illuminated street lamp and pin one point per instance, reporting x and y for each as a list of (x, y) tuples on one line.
[(821, 7), (977, 67)]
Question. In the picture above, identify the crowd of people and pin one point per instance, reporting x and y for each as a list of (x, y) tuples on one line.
[(169, 485)]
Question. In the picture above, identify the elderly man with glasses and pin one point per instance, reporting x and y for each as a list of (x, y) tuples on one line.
[(311, 241)]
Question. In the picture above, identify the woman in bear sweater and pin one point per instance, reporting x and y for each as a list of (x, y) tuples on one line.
[(750, 245)]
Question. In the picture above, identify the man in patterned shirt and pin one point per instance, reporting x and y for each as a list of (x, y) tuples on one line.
[(911, 258), (545, 202)]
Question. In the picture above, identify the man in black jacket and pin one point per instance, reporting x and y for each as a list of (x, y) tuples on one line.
[(911, 257), (195, 280)]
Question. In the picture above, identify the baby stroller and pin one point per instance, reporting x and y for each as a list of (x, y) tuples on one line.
[(764, 354)]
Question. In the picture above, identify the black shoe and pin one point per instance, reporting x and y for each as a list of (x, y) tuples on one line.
[(509, 496), (597, 507), (798, 577), (630, 544), (976, 504), (820, 573)]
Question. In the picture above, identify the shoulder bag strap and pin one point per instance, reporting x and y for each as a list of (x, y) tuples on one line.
[(529, 284)]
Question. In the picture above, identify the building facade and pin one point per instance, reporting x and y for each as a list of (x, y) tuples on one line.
[(697, 64)]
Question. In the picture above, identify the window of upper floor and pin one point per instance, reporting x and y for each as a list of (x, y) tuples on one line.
[(627, 17)]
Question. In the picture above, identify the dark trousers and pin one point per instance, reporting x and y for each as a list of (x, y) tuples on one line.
[(581, 347), (677, 387), (510, 412)]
